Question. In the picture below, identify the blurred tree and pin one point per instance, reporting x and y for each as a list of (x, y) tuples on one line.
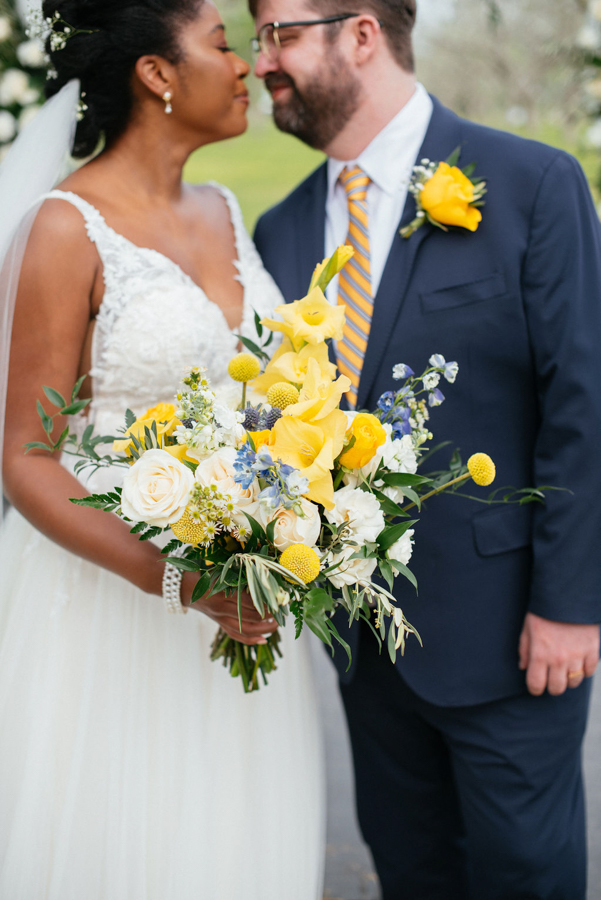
[(507, 61)]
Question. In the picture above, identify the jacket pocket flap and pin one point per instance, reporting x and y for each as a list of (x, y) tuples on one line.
[(502, 529), (464, 294)]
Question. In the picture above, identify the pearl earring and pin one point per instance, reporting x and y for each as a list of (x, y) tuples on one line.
[(167, 98)]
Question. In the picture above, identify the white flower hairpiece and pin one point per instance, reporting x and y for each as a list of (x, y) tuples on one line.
[(45, 27)]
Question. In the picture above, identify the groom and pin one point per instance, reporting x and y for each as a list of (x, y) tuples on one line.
[(467, 753)]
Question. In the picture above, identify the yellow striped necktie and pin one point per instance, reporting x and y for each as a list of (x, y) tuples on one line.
[(354, 283)]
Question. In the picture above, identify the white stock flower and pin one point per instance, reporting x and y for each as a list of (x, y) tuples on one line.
[(290, 528), (5, 29), (8, 126), (360, 511), (402, 549), (31, 54), (156, 489), (229, 430), (14, 85), (350, 571)]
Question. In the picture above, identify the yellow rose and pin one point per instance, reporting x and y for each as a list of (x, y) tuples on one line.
[(166, 423), (446, 197), (286, 365), (259, 438), (311, 320), (369, 435)]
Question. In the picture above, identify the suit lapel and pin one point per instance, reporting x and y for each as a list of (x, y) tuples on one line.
[(443, 135)]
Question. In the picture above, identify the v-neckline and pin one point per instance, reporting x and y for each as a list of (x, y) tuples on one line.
[(176, 266)]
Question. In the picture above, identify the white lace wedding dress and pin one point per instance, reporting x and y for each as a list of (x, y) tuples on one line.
[(131, 767)]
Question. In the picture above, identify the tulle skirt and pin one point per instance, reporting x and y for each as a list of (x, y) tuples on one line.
[(133, 768)]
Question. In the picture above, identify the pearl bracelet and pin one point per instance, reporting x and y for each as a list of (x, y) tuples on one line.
[(172, 585)]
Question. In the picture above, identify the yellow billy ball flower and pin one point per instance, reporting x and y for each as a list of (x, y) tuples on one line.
[(188, 531), (302, 561), (244, 367), (482, 469), (282, 394)]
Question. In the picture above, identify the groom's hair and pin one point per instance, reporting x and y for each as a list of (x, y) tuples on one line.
[(397, 18)]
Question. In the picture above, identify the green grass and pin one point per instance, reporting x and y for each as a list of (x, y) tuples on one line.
[(264, 165)]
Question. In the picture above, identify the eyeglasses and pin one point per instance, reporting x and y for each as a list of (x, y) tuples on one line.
[(268, 41)]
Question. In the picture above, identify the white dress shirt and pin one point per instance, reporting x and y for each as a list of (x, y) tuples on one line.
[(388, 161)]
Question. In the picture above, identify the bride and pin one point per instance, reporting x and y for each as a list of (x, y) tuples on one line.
[(131, 767)]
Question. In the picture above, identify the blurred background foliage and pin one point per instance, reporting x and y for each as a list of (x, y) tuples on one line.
[(529, 66)]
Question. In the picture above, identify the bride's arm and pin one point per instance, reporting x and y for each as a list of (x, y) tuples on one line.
[(52, 317)]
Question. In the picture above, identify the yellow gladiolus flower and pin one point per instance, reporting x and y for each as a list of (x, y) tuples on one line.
[(180, 451), (447, 196), (312, 449), (311, 320), (331, 266), (163, 414), (369, 435), (292, 367), (318, 397)]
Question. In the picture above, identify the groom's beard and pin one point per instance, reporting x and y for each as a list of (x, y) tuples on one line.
[(318, 113)]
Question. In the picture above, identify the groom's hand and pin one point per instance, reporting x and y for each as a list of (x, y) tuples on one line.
[(557, 655)]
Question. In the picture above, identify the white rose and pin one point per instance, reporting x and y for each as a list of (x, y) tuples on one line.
[(5, 29), (360, 511), (13, 86), (218, 469), (292, 529), (31, 54), (28, 115), (350, 571), (8, 126), (402, 549), (156, 489)]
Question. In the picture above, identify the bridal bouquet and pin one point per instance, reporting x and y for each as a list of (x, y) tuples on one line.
[(287, 497)]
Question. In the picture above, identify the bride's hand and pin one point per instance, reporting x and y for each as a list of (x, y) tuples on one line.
[(224, 611)]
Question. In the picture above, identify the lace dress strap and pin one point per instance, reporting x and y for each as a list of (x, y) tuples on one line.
[(96, 227)]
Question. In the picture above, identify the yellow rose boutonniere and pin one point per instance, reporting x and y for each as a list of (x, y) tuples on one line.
[(446, 196)]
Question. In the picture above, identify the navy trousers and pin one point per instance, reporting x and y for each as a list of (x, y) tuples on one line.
[(468, 803)]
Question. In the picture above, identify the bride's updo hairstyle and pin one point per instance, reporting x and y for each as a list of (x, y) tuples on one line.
[(120, 32)]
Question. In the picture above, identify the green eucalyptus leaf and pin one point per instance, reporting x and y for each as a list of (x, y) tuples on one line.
[(55, 398), (74, 408)]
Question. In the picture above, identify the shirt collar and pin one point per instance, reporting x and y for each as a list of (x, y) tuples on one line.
[(392, 153)]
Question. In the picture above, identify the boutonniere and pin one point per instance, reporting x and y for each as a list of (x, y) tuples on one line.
[(445, 195)]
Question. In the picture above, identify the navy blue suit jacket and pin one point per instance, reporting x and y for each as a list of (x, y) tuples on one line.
[(518, 305)]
